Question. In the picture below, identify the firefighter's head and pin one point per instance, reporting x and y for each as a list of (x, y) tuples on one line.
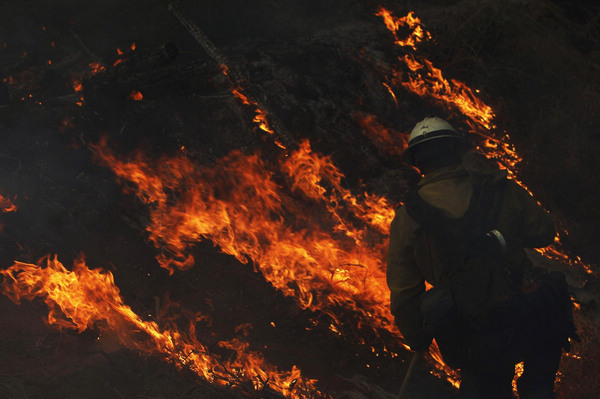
[(434, 143)]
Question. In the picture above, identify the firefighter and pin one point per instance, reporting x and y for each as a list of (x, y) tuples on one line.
[(464, 233)]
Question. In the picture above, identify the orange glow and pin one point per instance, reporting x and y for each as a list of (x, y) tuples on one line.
[(428, 81), (260, 117), (385, 139), (389, 89), (224, 69), (77, 85), (96, 67), (237, 93), (324, 254), (135, 95), (410, 22), (554, 252), (132, 47), (118, 61), (6, 205), (84, 298)]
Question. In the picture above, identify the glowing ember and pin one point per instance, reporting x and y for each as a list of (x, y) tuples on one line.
[(6, 205), (391, 91), (260, 117), (135, 96), (77, 86), (96, 67), (89, 299)]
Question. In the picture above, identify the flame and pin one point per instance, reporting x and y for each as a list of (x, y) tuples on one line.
[(135, 95), (417, 35), (85, 298), (324, 254), (6, 205), (260, 117), (386, 139), (554, 252), (96, 67), (427, 81), (77, 85), (391, 91)]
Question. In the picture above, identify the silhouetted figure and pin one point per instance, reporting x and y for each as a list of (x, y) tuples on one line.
[(465, 233)]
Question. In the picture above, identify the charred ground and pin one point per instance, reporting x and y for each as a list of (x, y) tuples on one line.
[(316, 64)]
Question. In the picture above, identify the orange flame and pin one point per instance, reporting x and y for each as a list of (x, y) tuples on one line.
[(135, 95), (260, 117), (89, 299), (324, 256), (428, 81), (77, 85), (6, 205), (417, 35), (96, 67)]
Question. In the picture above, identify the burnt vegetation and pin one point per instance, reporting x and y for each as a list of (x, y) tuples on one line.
[(318, 67)]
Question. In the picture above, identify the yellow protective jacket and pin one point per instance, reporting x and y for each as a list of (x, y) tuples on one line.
[(411, 261)]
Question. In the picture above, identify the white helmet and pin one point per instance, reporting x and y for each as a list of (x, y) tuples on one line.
[(431, 128)]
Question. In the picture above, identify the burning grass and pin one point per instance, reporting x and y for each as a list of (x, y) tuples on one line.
[(318, 241), (86, 298)]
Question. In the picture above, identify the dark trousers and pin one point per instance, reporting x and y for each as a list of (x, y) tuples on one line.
[(491, 378), (534, 338)]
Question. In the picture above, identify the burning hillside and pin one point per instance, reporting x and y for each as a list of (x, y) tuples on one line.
[(229, 176)]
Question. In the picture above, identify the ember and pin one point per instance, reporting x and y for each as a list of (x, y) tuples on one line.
[(7, 205), (135, 95)]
